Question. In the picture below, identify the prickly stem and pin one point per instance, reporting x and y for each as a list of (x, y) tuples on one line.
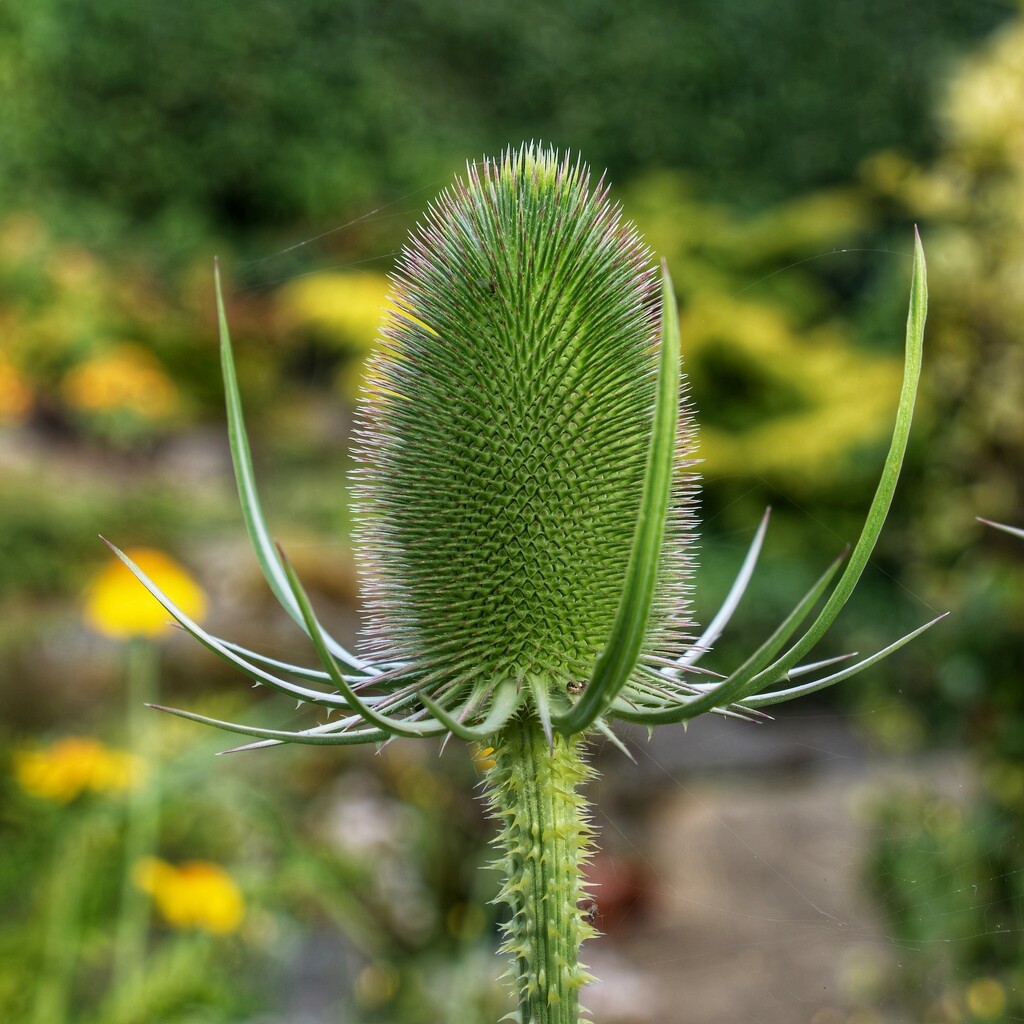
[(545, 841)]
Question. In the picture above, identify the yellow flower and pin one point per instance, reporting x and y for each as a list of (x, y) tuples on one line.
[(193, 894), (72, 765), (125, 377), (117, 607), (344, 306), (15, 394), (986, 998)]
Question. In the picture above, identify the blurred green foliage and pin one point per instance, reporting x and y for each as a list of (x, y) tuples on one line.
[(382, 864), (36, 527), (949, 880), (172, 120), (966, 866)]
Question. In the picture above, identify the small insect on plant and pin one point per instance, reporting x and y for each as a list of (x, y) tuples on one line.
[(589, 911), (526, 532)]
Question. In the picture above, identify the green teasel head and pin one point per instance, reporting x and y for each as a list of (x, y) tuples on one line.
[(504, 436), (525, 498)]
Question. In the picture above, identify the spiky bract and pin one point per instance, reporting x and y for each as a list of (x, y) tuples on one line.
[(505, 431)]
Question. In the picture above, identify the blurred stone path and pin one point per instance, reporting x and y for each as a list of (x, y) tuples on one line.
[(753, 908)]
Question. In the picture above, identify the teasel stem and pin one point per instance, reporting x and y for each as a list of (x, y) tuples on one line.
[(142, 826), (545, 839)]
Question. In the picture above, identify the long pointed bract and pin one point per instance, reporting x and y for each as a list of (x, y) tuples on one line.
[(504, 705), (882, 500), (721, 619), (616, 662), (750, 679), (395, 726), (211, 643), (778, 696), (252, 511), (1014, 531), (317, 736), (735, 685)]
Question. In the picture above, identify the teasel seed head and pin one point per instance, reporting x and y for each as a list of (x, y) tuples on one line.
[(504, 433)]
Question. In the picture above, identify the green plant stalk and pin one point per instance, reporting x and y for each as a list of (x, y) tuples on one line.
[(142, 826), (71, 866), (545, 839)]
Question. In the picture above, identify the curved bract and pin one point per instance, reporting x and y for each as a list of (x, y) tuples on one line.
[(524, 500)]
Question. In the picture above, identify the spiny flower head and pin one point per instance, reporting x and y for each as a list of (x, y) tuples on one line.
[(524, 497), (504, 436)]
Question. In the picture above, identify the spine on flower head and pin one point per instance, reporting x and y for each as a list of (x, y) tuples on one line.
[(504, 432)]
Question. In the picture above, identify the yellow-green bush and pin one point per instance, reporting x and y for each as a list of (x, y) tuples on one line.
[(951, 881), (79, 340), (783, 391)]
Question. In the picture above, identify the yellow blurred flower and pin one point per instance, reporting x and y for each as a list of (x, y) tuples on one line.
[(15, 394), (986, 998), (193, 894), (125, 377), (984, 110), (118, 606), (72, 765), (345, 306)]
